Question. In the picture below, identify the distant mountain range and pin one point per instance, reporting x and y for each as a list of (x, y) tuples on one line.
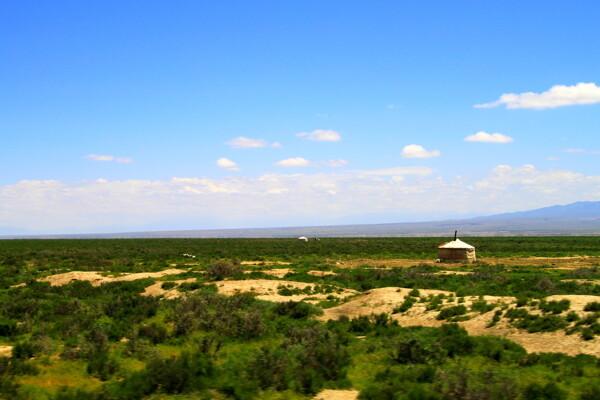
[(581, 218)]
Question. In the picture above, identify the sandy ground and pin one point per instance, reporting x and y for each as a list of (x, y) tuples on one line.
[(265, 263), (277, 272), (555, 262), (384, 300), (321, 273), (96, 279), (329, 394), (267, 290), (6, 351), (157, 290)]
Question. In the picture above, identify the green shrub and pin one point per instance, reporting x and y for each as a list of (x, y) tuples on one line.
[(168, 285), (405, 306), (452, 312), (593, 306), (555, 307)]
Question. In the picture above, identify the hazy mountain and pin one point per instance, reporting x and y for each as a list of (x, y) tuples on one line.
[(581, 218)]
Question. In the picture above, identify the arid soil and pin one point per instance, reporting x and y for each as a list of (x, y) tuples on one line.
[(96, 279), (555, 262), (6, 351), (265, 263), (329, 394), (268, 290), (384, 300)]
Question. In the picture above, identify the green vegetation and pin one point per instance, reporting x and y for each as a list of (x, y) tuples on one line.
[(110, 342)]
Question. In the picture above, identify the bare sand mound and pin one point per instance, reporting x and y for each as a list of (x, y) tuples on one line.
[(329, 394), (6, 351), (265, 263), (384, 300), (266, 289), (157, 290), (277, 272), (96, 279), (555, 262), (321, 273)]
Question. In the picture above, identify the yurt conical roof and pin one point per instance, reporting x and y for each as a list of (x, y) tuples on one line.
[(456, 244)]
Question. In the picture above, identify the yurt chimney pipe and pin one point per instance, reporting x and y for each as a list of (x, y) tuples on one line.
[(455, 232)]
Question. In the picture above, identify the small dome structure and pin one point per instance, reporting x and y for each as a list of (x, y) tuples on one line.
[(303, 238), (456, 251)]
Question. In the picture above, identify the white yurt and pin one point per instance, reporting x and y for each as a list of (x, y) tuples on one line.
[(456, 251)]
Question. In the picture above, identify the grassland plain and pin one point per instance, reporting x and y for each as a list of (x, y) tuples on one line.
[(285, 319)]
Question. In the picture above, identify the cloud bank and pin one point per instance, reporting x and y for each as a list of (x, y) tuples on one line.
[(401, 191), (556, 96)]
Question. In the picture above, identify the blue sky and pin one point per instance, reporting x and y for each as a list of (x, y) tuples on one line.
[(120, 116)]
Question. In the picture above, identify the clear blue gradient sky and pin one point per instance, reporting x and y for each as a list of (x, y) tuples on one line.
[(126, 115)]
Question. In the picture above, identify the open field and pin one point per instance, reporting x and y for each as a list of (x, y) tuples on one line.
[(283, 319)]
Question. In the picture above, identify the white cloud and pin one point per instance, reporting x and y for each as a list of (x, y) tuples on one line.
[(396, 171), (417, 151), (488, 138), (552, 158), (242, 142), (276, 145), (321, 135), (294, 162), (335, 163), (227, 164), (581, 151), (121, 160), (557, 96), (279, 199)]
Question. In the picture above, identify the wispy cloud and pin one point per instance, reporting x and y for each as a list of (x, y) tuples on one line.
[(242, 142), (396, 171), (276, 145), (121, 160), (280, 198), (294, 162), (556, 96), (417, 151), (321, 135), (335, 163), (488, 138), (227, 164), (581, 151)]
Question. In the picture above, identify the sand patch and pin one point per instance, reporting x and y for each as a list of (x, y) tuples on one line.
[(554, 262), (266, 289), (265, 263), (277, 272), (321, 273), (157, 290), (96, 279), (592, 281), (329, 394), (6, 351), (384, 300), (452, 273)]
